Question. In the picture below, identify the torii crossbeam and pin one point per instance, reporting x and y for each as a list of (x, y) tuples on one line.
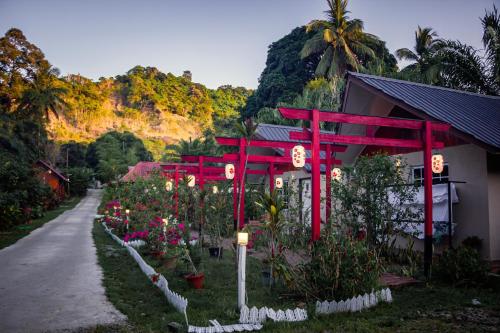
[(316, 138)]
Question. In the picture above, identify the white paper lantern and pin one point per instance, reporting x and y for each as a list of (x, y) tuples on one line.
[(437, 163), (279, 182), (191, 180), (336, 174), (298, 156), (215, 190), (169, 185), (229, 171)]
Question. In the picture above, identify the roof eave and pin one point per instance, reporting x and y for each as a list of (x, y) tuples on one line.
[(416, 112)]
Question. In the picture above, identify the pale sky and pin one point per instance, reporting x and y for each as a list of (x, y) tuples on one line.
[(220, 41)]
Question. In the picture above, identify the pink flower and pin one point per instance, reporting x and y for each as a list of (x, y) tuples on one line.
[(181, 226)]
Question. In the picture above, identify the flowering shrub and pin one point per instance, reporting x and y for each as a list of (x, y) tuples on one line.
[(341, 266)]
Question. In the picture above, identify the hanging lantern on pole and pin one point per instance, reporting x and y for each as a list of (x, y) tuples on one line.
[(191, 180), (215, 190), (169, 185), (298, 156), (437, 163), (279, 182), (336, 174), (229, 171)]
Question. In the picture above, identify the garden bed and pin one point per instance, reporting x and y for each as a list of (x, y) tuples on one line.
[(416, 308)]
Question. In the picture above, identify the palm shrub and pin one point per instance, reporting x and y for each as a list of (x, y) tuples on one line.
[(341, 266), (273, 228)]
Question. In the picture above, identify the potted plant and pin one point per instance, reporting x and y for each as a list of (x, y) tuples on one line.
[(272, 228), (195, 278), (217, 226)]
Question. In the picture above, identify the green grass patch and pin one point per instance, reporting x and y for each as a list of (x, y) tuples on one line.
[(9, 237), (415, 309)]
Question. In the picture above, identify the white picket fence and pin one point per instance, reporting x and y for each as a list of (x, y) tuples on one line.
[(250, 319), (354, 304), (178, 302)]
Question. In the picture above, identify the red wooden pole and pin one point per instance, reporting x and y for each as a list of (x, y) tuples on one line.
[(271, 177), (242, 182), (235, 198), (200, 170), (328, 187), (428, 197), (176, 196), (315, 176)]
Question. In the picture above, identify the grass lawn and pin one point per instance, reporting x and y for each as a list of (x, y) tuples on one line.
[(432, 308), (9, 237)]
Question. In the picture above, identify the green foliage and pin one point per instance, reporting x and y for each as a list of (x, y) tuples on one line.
[(20, 64), (80, 178), (285, 74), (461, 266), (373, 197), (454, 64), (228, 104), (74, 152), (219, 217), (22, 195), (205, 145), (340, 41), (491, 41), (340, 267), (111, 154), (273, 229)]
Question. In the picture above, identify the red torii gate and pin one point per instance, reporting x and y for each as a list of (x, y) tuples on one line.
[(231, 158), (425, 143), (197, 170), (272, 160)]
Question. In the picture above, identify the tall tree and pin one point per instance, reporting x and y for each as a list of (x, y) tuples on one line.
[(43, 97), (491, 42), (20, 63), (339, 40), (285, 74), (425, 64)]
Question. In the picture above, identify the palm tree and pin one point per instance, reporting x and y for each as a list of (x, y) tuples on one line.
[(340, 41), (425, 63), (43, 97), (491, 42), (462, 68)]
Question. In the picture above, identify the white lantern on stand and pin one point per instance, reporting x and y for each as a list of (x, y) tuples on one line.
[(169, 185), (298, 156), (229, 171), (336, 174), (279, 182), (437, 163), (215, 190)]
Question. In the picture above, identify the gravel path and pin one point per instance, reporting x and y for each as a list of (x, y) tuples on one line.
[(50, 280)]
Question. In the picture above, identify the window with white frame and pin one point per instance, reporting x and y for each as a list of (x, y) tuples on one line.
[(437, 178)]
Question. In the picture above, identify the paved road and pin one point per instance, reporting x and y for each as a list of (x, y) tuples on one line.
[(50, 280)]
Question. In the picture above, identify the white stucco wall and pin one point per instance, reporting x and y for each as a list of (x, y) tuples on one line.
[(467, 163), (494, 211)]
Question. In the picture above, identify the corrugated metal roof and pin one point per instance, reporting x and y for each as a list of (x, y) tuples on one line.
[(474, 114)]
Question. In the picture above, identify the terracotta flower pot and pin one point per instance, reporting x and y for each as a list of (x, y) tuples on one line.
[(157, 254), (170, 262), (195, 280)]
